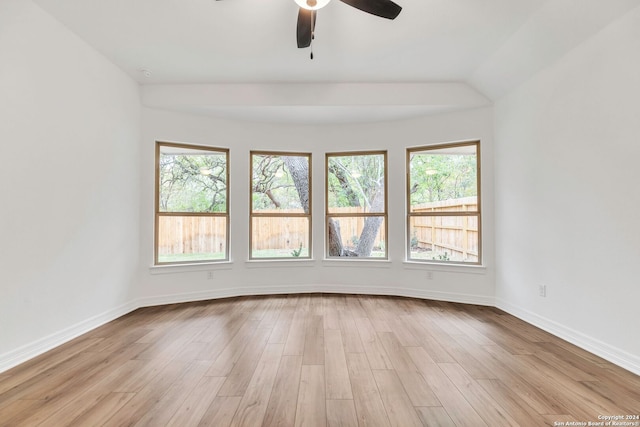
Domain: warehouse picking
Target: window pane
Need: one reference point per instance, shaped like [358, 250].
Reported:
[192, 180]
[280, 237]
[280, 183]
[191, 238]
[444, 238]
[359, 237]
[444, 179]
[356, 183]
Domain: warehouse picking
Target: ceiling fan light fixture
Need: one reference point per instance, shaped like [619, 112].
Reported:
[312, 4]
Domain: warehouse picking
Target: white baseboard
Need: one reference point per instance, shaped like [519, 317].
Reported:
[302, 289]
[29, 351]
[607, 352]
[614, 355]
[36, 348]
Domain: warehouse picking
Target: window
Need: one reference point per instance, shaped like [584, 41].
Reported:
[443, 195]
[356, 204]
[280, 223]
[192, 204]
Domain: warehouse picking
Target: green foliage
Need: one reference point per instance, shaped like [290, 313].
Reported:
[296, 252]
[193, 182]
[272, 183]
[442, 176]
[414, 240]
[355, 180]
[442, 257]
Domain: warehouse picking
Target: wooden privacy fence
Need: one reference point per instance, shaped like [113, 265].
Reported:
[191, 234]
[290, 232]
[457, 236]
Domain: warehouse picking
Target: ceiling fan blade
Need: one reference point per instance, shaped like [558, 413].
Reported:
[383, 8]
[306, 26]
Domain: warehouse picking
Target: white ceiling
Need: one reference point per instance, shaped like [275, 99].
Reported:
[491, 45]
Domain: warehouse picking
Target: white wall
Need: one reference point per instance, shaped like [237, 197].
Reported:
[465, 284]
[567, 200]
[69, 216]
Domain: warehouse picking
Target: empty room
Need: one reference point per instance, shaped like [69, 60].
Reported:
[319, 213]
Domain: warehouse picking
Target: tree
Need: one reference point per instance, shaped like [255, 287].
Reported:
[197, 183]
[438, 177]
[356, 181]
[280, 182]
[193, 183]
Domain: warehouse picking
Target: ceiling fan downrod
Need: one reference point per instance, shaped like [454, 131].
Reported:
[313, 33]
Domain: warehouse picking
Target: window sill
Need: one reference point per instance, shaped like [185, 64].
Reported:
[450, 268]
[186, 268]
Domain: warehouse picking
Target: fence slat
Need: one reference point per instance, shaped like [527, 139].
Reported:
[186, 234]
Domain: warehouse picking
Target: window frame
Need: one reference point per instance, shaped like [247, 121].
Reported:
[159, 214]
[253, 214]
[477, 213]
[384, 214]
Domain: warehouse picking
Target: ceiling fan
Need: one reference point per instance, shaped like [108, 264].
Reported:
[308, 9]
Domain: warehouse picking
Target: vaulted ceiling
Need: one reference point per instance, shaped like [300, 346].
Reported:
[488, 46]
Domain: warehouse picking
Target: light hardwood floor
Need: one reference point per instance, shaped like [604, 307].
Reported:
[316, 360]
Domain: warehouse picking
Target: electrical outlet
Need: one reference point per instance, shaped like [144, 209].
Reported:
[429, 275]
[542, 290]
[209, 275]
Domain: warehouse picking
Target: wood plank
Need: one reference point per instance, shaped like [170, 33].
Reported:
[225, 362]
[84, 379]
[310, 410]
[221, 412]
[272, 313]
[464, 350]
[482, 402]
[102, 410]
[281, 410]
[613, 397]
[580, 400]
[21, 374]
[313, 353]
[256, 398]
[515, 406]
[397, 404]
[378, 358]
[470, 366]
[238, 379]
[369, 407]
[144, 400]
[218, 337]
[434, 416]
[414, 384]
[436, 351]
[16, 411]
[404, 335]
[330, 315]
[450, 397]
[350, 334]
[164, 409]
[294, 345]
[341, 413]
[338, 385]
[518, 380]
[282, 325]
[197, 402]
